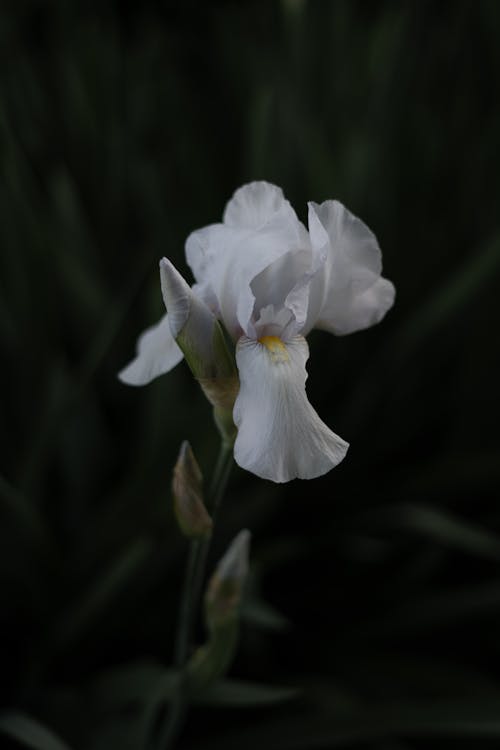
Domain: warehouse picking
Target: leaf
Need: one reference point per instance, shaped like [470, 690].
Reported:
[438, 524]
[135, 683]
[100, 593]
[147, 686]
[30, 732]
[464, 285]
[437, 609]
[261, 614]
[386, 720]
[406, 341]
[421, 676]
[25, 513]
[240, 693]
[258, 612]
[121, 733]
[451, 530]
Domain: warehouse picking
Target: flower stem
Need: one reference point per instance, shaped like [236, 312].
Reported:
[218, 486]
[193, 582]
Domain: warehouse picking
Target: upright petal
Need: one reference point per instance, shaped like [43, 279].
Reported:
[226, 259]
[283, 285]
[207, 252]
[157, 353]
[252, 205]
[288, 282]
[348, 235]
[349, 294]
[280, 436]
[205, 244]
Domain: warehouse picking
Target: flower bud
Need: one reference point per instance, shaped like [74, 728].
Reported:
[201, 339]
[191, 514]
[222, 604]
[225, 588]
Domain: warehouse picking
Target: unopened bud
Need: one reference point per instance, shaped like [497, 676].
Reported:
[190, 511]
[225, 588]
[222, 604]
[201, 339]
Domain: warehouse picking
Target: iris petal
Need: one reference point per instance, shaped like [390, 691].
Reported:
[349, 294]
[157, 353]
[280, 435]
[253, 204]
[226, 259]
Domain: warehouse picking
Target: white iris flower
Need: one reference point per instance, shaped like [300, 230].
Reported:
[270, 281]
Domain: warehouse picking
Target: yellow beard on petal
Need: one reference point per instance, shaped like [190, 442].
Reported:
[276, 348]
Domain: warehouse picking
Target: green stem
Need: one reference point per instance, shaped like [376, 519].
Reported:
[195, 575]
[216, 492]
[212, 660]
[181, 646]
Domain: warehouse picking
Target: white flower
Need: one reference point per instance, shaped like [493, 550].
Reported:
[270, 281]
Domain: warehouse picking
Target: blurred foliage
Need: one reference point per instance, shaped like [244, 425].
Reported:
[123, 127]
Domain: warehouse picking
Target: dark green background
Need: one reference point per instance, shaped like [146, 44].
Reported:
[125, 126]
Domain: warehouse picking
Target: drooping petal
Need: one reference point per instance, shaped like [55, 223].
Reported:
[280, 435]
[252, 205]
[348, 294]
[157, 353]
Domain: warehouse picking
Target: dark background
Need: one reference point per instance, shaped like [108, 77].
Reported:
[125, 126]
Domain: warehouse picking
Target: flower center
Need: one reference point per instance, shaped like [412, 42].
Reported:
[275, 347]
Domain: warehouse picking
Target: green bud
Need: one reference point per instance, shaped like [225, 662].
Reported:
[189, 509]
[225, 588]
[222, 606]
[202, 341]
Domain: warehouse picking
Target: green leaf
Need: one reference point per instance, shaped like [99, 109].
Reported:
[261, 614]
[239, 693]
[30, 732]
[25, 513]
[450, 530]
[437, 609]
[101, 592]
[387, 720]
[255, 610]
[146, 687]
[135, 683]
[457, 292]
